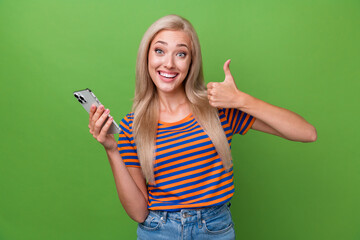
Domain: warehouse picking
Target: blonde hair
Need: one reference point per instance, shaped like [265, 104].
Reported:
[146, 101]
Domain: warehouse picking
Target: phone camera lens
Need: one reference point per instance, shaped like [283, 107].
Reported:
[82, 98]
[76, 95]
[80, 101]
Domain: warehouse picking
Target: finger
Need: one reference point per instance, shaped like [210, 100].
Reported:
[213, 85]
[212, 103]
[227, 69]
[209, 95]
[91, 114]
[100, 122]
[105, 128]
[210, 91]
[210, 85]
[96, 116]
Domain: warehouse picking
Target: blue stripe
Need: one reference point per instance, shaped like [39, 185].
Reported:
[188, 169]
[246, 125]
[121, 145]
[132, 164]
[180, 143]
[201, 195]
[234, 118]
[217, 175]
[124, 130]
[240, 121]
[130, 157]
[125, 138]
[168, 134]
[195, 189]
[167, 203]
[184, 156]
[177, 126]
[190, 128]
[122, 139]
[194, 147]
[189, 177]
[185, 163]
[177, 138]
[128, 151]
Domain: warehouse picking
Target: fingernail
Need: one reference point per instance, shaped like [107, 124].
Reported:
[107, 111]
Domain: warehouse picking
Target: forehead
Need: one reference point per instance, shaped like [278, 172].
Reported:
[172, 37]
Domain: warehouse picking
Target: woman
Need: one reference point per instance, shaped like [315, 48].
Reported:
[172, 164]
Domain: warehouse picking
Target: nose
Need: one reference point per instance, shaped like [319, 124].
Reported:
[169, 62]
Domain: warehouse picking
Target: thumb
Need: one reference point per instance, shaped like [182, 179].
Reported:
[227, 72]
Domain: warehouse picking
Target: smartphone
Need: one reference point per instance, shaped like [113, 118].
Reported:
[87, 98]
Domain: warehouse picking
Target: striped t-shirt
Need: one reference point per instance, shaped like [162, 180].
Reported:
[188, 171]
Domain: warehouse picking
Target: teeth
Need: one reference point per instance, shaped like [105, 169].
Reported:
[167, 75]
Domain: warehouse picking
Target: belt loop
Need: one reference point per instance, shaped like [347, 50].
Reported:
[164, 216]
[199, 218]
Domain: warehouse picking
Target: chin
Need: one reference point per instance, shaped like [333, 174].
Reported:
[168, 87]
[165, 90]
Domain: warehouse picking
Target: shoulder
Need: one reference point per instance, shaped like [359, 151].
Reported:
[128, 117]
[229, 112]
[126, 123]
[224, 113]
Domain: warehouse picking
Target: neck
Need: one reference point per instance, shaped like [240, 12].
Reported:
[174, 101]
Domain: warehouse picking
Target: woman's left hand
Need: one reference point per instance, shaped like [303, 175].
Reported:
[224, 94]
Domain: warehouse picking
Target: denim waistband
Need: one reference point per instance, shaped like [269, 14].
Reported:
[186, 216]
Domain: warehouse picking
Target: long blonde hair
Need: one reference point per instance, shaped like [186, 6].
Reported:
[146, 101]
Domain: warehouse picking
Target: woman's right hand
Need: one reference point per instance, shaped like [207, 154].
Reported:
[97, 118]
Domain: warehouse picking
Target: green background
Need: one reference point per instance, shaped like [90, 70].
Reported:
[55, 181]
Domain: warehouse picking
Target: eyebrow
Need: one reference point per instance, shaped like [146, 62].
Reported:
[178, 45]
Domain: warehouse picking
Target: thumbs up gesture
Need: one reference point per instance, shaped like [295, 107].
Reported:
[224, 94]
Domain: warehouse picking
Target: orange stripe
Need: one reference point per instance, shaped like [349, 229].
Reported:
[180, 140]
[191, 121]
[176, 135]
[237, 124]
[192, 179]
[190, 173]
[187, 166]
[210, 195]
[183, 153]
[184, 160]
[244, 123]
[193, 186]
[125, 126]
[194, 205]
[198, 192]
[186, 145]
[249, 126]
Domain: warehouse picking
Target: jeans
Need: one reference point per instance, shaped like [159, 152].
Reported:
[206, 223]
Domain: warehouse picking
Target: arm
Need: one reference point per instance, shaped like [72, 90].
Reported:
[130, 186]
[269, 118]
[130, 183]
[276, 120]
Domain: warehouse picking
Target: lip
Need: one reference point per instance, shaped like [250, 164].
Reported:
[165, 79]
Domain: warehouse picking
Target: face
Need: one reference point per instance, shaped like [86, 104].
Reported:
[169, 60]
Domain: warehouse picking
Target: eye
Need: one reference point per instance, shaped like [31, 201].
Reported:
[158, 51]
[182, 54]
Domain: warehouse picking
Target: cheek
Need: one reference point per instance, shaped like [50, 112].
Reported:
[153, 62]
[185, 66]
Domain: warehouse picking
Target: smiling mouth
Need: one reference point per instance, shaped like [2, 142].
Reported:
[167, 75]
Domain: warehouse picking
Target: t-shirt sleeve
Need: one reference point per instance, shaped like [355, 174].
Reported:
[238, 121]
[126, 144]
